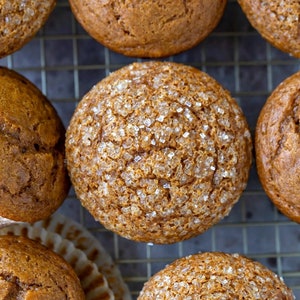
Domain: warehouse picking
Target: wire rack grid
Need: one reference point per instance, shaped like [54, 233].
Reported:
[64, 62]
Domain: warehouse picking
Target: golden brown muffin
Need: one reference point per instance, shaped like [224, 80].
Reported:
[30, 271]
[277, 146]
[33, 176]
[148, 28]
[215, 276]
[93, 282]
[158, 152]
[99, 275]
[19, 22]
[277, 21]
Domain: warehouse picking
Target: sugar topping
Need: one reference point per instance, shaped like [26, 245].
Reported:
[158, 152]
[20, 20]
[15, 13]
[215, 276]
[277, 21]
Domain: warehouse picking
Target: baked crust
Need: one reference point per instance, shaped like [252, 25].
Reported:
[158, 152]
[215, 276]
[277, 21]
[277, 145]
[29, 270]
[33, 175]
[148, 28]
[20, 21]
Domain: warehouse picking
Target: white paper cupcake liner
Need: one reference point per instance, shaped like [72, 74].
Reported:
[93, 282]
[7, 222]
[85, 241]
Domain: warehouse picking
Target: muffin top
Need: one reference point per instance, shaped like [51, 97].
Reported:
[148, 28]
[30, 271]
[277, 21]
[158, 151]
[93, 283]
[215, 276]
[20, 20]
[33, 177]
[278, 147]
[99, 275]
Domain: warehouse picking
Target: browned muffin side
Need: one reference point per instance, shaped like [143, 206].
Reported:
[33, 176]
[148, 28]
[158, 152]
[29, 270]
[20, 21]
[277, 147]
[277, 21]
[215, 276]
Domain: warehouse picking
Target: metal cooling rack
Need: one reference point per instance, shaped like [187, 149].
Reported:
[64, 62]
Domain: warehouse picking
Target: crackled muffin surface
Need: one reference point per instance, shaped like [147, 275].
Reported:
[277, 21]
[277, 146]
[215, 276]
[158, 152]
[148, 28]
[20, 20]
[33, 175]
[30, 271]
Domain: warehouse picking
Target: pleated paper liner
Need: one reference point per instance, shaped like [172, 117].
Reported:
[7, 222]
[86, 242]
[93, 282]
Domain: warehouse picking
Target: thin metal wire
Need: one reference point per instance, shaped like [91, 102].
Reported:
[148, 260]
[75, 60]
[43, 65]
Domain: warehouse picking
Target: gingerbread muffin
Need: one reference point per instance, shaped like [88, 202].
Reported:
[29, 270]
[277, 146]
[20, 21]
[158, 152]
[148, 28]
[277, 21]
[215, 275]
[93, 283]
[33, 175]
[99, 275]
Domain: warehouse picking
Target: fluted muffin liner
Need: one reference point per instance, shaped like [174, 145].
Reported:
[7, 222]
[83, 241]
